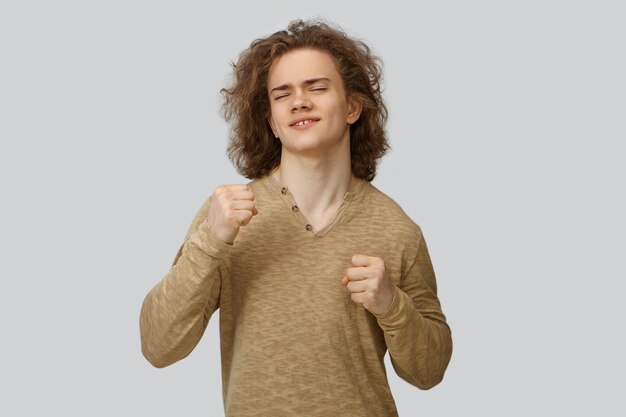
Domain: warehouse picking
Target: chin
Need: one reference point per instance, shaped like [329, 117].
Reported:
[301, 145]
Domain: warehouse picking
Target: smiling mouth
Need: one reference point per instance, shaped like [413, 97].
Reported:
[304, 122]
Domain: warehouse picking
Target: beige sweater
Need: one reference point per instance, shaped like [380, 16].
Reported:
[293, 343]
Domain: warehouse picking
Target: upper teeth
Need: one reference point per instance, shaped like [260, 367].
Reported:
[304, 122]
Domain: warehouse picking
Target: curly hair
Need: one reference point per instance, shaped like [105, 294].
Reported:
[252, 147]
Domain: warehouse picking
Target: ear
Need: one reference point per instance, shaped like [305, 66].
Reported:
[271, 123]
[354, 108]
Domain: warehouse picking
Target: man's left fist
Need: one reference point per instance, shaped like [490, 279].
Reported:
[368, 283]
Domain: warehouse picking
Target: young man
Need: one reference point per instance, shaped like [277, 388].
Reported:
[315, 271]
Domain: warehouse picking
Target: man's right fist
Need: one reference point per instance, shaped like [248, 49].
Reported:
[232, 206]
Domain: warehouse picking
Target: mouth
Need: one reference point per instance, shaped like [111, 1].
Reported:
[304, 123]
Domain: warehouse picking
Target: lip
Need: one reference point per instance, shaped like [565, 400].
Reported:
[313, 122]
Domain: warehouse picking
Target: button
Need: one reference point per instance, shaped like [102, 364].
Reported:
[295, 208]
[309, 227]
[284, 190]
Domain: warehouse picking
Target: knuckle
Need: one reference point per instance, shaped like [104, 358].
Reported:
[222, 197]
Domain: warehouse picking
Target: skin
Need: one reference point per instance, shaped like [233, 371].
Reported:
[315, 160]
[369, 284]
[304, 84]
[232, 207]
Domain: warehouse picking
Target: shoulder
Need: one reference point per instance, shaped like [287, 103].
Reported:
[400, 236]
[386, 212]
[263, 187]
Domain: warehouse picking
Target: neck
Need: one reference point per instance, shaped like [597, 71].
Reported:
[317, 183]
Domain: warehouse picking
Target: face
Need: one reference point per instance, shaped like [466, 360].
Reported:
[310, 111]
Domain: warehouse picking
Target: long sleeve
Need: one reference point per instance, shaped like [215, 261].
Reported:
[416, 333]
[176, 311]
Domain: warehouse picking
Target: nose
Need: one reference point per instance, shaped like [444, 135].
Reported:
[300, 101]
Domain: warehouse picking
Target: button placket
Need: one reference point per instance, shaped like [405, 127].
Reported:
[295, 209]
[301, 220]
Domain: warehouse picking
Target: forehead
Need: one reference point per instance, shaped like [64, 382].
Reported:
[299, 65]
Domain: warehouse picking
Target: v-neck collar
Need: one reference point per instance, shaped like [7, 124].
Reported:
[282, 192]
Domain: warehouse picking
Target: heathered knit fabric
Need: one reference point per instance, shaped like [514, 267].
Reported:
[293, 343]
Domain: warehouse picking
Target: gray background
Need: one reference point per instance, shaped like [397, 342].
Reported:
[505, 119]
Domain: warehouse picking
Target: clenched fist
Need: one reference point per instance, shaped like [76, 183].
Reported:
[232, 206]
[368, 283]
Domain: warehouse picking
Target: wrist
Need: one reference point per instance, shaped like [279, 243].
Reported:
[386, 306]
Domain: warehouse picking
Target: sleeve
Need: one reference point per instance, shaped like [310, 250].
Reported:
[176, 311]
[415, 329]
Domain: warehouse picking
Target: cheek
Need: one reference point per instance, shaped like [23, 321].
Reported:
[272, 119]
[274, 126]
[339, 115]
[275, 114]
[339, 109]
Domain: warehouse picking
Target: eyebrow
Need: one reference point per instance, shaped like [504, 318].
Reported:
[306, 82]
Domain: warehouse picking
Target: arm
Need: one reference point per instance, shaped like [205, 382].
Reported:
[415, 329]
[176, 311]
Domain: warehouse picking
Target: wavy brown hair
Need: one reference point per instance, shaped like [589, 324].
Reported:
[252, 148]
